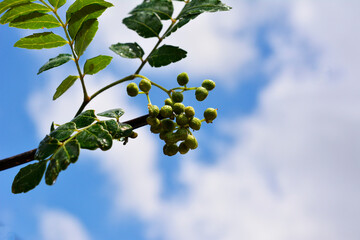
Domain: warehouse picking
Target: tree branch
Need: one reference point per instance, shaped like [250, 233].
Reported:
[28, 156]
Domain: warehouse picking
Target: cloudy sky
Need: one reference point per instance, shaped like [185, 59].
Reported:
[281, 162]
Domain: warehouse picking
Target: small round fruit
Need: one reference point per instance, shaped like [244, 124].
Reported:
[182, 119]
[191, 142]
[153, 121]
[208, 84]
[132, 89]
[201, 93]
[177, 97]
[156, 129]
[195, 123]
[210, 114]
[190, 112]
[154, 110]
[133, 134]
[183, 149]
[166, 111]
[170, 138]
[178, 108]
[182, 133]
[163, 134]
[183, 79]
[168, 125]
[169, 102]
[145, 85]
[170, 150]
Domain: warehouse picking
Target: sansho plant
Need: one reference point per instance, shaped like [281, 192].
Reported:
[174, 122]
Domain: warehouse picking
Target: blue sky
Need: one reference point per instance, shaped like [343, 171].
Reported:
[280, 162]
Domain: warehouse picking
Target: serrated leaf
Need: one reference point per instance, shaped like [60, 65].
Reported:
[46, 148]
[22, 9]
[200, 6]
[28, 177]
[112, 113]
[57, 3]
[84, 119]
[64, 86]
[55, 62]
[96, 64]
[95, 137]
[165, 55]
[128, 50]
[85, 35]
[64, 131]
[35, 20]
[147, 25]
[79, 4]
[163, 8]
[78, 18]
[7, 4]
[40, 41]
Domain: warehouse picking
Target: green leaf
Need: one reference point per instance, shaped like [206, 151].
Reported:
[64, 86]
[95, 137]
[35, 20]
[47, 147]
[163, 8]
[147, 25]
[128, 50]
[111, 126]
[96, 64]
[84, 119]
[113, 113]
[22, 9]
[79, 4]
[6, 4]
[165, 55]
[64, 131]
[200, 6]
[78, 18]
[85, 36]
[55, 62]
[28, 177]
[52, 172]
[182, 22]
[57, 3]
[40, 41]
[125, 130]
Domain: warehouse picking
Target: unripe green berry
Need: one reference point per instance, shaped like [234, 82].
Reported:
[183, 149]
[191, 142]
[177, 97]
[132, 89]
[153, 121]
[153, 110]
[208, 84]
[156, 129]
[178, 108]
[166, 111]
[183, 79]
[201, 93]
[167, 124]
[195, 123]
[210, 114]
[169, 102]
[133, 135]
[181, 119]
[190, 112]
[163, 134]
[170, 150]
[171, 138]
[145, 85]
[182, 133]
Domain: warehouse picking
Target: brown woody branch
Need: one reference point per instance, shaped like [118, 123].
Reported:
[28, 156]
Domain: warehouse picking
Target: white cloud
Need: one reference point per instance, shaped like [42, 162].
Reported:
[60, 225]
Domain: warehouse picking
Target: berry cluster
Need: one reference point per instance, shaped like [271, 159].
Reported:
[174, 120]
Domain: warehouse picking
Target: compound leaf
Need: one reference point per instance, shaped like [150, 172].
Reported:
[165, 55]
[64, 86]
[40, 41]
[147, 25]
[163, 8]
[28, 177]
[35, 20]
[57, 3]
[55, 62]
[96, 64]
[47, 147]
[6, 4]
[22, 9]
[95, 137]
[85, 35]
[84, 119]
[128, 50]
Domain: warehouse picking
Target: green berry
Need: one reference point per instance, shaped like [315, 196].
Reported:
[201, 93]
[156, 129]
[163, 134]
[191, 142]
[177, 97]
[133, 135]
[208, 84]
[210, 114]
[183, 79]
[182, 119]
[166, 111]
[183, 149]
[171, 149]
[153, 121]
[145, 85]
[169, 102]
[170, 138]
[195, 123]
[190, 112]
[168, 125]
[178, 108]
[132, 89]
[182, 133]
[154, 110]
